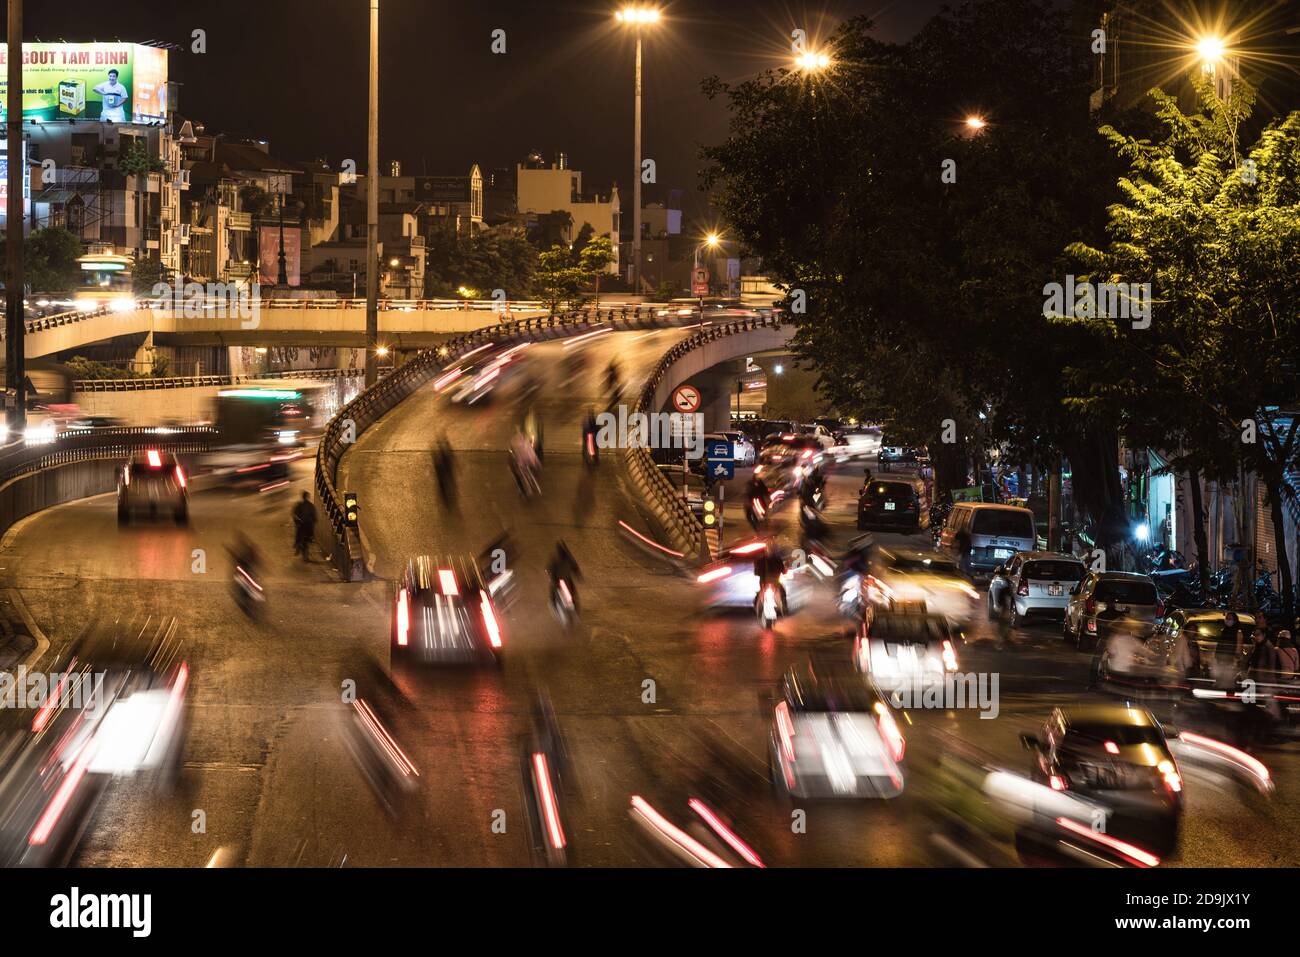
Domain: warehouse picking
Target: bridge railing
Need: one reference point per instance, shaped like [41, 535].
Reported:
[658, 492]
[354, 418]
[199, 381]
[82, 445]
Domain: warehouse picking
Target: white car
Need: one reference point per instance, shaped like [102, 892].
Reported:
[834, 736]
[904, 653]
[855, 443]
[905, 579]
[1034, 584]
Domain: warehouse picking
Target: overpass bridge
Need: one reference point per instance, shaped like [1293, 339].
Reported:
[403, 324]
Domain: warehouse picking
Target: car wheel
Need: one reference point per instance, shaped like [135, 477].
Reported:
[182, 516]
[123, 516]
[1066, 636]
[1016, 620]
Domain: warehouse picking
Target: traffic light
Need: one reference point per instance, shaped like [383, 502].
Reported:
[711, 512]
[350, 509]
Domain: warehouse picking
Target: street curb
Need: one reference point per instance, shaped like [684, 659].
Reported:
[33, 629]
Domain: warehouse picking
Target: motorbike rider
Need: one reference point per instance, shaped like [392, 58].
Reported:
[525, 457]
[589, 430]
[813, 488]
[564, 567]
[613, 378]
[756, 491]
[769, 566]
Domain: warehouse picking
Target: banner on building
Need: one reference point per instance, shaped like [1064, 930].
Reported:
[111, 82]
[268, 240]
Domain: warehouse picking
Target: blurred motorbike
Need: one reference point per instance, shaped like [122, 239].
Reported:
[768, 606]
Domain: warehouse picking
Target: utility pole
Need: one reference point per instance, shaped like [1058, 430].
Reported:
[372, 207]
[636, 177]
[1054, 505]
[15, 364]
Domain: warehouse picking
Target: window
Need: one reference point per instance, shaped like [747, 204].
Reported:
[1003, 523]
[1127, 592]
[1054, 571]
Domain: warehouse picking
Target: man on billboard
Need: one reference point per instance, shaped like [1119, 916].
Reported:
[114, 95]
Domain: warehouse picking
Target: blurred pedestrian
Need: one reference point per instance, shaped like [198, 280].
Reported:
[304, 525]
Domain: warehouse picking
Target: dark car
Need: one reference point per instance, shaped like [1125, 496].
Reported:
[152, 483]
[893, 503]
[443, 613]
[1117, 755]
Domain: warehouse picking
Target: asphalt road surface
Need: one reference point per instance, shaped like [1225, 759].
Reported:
[654, 696]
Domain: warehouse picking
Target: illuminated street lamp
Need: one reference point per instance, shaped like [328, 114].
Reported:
[975, 123]
[811, 62]
[1210, 49]
[636, 18]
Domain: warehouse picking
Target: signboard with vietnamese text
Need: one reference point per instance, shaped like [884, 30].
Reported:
[111, 82]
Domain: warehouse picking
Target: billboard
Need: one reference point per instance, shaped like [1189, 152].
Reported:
[112, 82]
[269, 245]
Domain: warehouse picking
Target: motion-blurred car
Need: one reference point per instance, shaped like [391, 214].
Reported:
[900, 503]
[1201, 625]
[1118, 755]
[905, 652]
[834, 735]
[443, 613]
[152, 483]
[1103, 599]
[730, 581]
[855, 442]
[898, 454]
[908, 579]
[1034, 584]
[109, 715]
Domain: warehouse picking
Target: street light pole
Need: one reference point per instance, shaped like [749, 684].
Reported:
[636, 173]
[372, 206]
[15, 357]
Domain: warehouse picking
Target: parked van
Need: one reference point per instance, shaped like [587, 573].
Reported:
[980, 536]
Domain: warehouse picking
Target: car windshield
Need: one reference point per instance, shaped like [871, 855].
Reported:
[890, 491]
[1004, 523]
[145, 472]
[835, 695]
[1054, 571]
[1126, 592]
[1121, 734]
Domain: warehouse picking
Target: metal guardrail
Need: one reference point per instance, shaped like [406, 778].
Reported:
[83, 445]
[359, 414]
[199, 381]
[662, 495]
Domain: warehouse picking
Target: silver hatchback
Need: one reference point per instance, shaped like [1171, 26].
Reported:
[1034, 584]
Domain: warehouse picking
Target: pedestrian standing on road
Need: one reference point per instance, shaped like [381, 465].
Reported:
[304, 525]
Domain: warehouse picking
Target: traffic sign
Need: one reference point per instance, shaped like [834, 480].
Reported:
[717, 450]
[722, 469]
[686, 398]
[700, 281]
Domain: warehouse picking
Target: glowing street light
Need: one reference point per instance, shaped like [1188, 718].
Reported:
[812, 62]
[637, 15]
[976, 123]
[1211, 49]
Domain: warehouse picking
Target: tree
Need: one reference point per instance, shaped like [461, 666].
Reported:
[146, 273]
[1218, 238]
[136, 161]
[497, 258]
[584, 236]
[924, 293]
[559, 279]
[596, 256]
[50, 260]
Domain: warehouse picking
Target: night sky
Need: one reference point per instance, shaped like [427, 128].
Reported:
[294, 72]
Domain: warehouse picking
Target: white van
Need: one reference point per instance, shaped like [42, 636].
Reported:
[980, 536]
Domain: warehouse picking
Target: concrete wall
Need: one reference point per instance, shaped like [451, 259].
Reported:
[31, 493]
